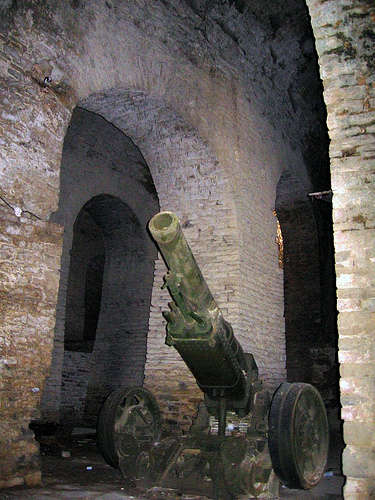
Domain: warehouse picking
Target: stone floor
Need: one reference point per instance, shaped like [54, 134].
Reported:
[78, 472]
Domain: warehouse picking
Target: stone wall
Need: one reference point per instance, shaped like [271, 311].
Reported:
[30, 259]
[179, 98]
[345, 36]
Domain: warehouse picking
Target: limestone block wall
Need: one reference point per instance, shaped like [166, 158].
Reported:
[345, 37]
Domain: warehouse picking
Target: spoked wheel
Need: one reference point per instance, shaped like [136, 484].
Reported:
[298, 436]
[129, 420]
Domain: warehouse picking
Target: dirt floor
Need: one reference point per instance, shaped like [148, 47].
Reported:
[76, 470]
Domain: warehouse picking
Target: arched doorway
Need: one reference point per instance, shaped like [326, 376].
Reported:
[107, 197]
[106, 316]
[85, 283]
[309, 293]
[310, 299]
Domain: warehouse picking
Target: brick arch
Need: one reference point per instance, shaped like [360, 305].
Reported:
[104, 176]
[174, 152]
[170, 162]
[119, 351]
[190, 181]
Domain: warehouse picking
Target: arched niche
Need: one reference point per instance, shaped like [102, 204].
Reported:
[107, 196]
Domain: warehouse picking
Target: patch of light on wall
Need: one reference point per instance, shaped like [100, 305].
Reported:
[279, 241]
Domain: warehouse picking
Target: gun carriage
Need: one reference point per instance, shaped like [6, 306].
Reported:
[259, 441]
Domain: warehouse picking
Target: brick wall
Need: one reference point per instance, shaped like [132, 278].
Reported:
[98, 158]
[344, 34]
[74, 381]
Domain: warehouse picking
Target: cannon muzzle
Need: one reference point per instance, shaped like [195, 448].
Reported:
[166, 231]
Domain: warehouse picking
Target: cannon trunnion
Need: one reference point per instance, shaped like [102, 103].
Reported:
[244, 442]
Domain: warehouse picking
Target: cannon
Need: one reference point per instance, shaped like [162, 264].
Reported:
[244, 442]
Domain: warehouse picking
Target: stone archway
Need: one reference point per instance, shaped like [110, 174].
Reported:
[116, 357]
[107, 196]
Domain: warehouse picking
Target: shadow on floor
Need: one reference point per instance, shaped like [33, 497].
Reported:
[76, 470]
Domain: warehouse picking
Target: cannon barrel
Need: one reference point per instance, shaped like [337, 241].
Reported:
[166, 231]
[195, 325]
